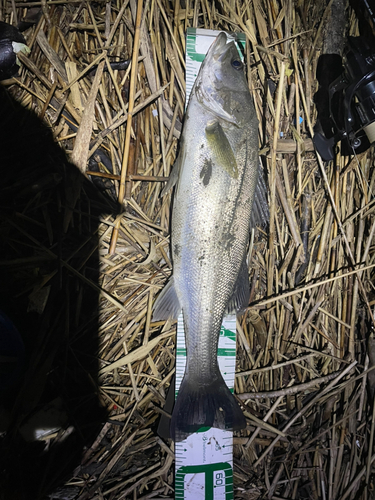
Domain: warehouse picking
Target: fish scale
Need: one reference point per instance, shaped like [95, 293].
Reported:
[216, 178]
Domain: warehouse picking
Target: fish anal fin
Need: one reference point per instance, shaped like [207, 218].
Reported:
[167, 304]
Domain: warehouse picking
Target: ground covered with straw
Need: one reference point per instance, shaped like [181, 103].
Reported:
[82, 261]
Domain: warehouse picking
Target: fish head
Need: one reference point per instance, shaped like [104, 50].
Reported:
[221, 83]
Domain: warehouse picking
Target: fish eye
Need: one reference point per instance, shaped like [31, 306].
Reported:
[236, 64]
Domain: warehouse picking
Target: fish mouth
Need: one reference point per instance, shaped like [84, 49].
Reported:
[220, 46]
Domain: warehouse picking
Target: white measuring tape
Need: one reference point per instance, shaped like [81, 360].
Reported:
[204, 461]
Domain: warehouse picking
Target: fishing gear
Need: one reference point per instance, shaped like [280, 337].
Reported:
[11, 42]
[351, 103]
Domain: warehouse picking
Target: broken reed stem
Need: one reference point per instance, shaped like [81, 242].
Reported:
[133, 177]
[295, 389]
[82, 143]
[370, 446]
[310, 286]
[96, 61]
[273, 181]
[304, 409]
[265, 419]
[125, 158]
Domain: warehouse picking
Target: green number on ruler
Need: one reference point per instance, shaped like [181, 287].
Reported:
[223, 477]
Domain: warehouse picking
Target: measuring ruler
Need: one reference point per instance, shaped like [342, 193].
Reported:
[204, 461]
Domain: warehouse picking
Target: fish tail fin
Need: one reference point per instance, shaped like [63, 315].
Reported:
[198, 406]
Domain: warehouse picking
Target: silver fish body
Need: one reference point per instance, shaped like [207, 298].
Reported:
[211, 219]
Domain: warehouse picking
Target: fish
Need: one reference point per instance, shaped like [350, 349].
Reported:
[216, 179]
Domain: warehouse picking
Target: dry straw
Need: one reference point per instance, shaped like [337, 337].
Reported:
[305, 350]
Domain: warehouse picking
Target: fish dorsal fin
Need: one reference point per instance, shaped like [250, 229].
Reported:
[167, 305]
[260, 213]
[222, 150]
[241, 292]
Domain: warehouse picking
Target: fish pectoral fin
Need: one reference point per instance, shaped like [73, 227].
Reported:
[241, 292]
[222, 150]
[167, 305]
[205, 405]
[260, 214]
